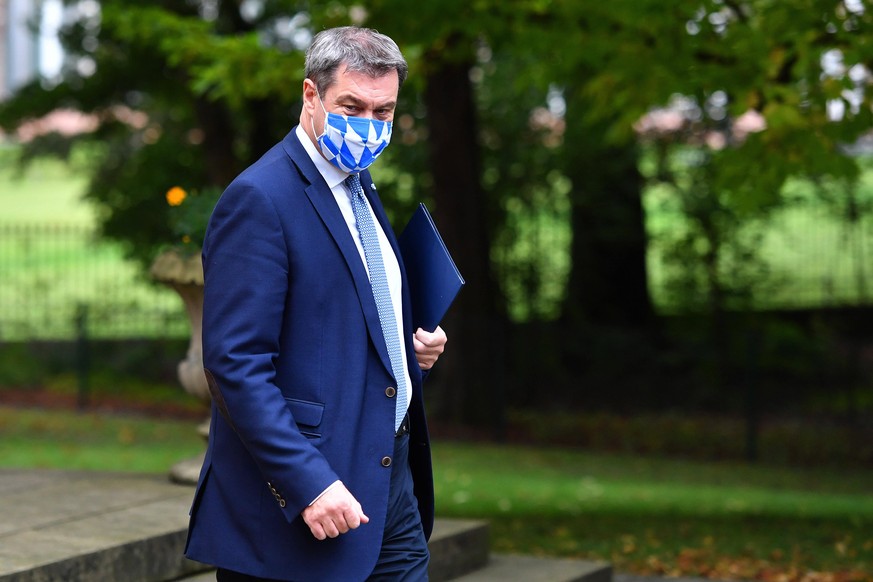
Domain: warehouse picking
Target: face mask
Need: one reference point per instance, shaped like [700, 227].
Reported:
[352, 143]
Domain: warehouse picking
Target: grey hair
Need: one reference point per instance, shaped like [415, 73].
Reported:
[362, 50]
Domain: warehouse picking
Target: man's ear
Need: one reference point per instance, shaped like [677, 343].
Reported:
[310, 95]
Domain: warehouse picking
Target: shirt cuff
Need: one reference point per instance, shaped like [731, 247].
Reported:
[329, 487]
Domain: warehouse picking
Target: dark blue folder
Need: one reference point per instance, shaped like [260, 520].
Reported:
[434, 280]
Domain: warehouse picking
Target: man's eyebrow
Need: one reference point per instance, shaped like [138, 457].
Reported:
[349, 98]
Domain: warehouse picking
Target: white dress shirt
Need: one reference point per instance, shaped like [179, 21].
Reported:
[335, 179]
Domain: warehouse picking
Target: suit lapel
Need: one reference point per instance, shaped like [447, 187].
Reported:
[379, 210]
[325, 205]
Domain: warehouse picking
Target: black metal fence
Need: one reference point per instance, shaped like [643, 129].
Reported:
[58, 281]
[62, 282]
[809, 257]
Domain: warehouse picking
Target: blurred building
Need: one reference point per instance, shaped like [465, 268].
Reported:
[28, 41]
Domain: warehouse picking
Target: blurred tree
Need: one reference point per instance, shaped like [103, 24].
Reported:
[751, 93]
[186, 93]
[442, 39]
[520, 123]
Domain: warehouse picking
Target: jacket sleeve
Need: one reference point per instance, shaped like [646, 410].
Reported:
[246, 272]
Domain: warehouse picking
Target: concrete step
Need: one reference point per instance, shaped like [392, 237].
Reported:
[509, 568]
[459, 551]
[506, 568]
[457, 547]
[77, 526]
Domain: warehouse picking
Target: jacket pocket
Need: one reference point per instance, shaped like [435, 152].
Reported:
[307, 415]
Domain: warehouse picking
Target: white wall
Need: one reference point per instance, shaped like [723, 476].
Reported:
[24, 52]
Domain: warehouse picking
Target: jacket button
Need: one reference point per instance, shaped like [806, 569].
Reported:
[390, 392]
[386, 461]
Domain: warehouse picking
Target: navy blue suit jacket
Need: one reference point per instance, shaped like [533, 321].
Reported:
[299, 371]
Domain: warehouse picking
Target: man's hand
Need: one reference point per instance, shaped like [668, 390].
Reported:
[429, 346]
[334, 513]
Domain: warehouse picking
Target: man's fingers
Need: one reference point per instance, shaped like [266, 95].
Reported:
[431, 339]
[428, 346]
[334, 514]
[355, 517]
[331, 529]
[317, 531]
[352, 519]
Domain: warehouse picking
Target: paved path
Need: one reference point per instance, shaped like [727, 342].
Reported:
[69, 526]
[76, 525]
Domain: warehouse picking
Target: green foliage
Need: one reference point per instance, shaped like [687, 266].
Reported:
[19, 368]
[189, 216]
[714, 437]
[53, 263]
[768, 251]
[530, 202]
[141, 373]
[710, 251]
[179, 99]
[185, 96]
[724, 60]
[234, 69]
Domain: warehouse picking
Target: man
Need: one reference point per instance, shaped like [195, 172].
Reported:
[318, 464]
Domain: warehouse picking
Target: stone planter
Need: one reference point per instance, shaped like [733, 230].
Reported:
[183, 273]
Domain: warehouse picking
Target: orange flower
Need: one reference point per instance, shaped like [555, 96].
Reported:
[175, 196]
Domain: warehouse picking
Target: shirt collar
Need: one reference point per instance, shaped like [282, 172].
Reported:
[331, 174]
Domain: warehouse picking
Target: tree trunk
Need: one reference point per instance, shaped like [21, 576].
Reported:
[607, 316]
[608, 283]
[469, 387]
[222, 165]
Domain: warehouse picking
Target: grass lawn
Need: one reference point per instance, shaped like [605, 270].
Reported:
[642, 514]
[663, 516]
[31, 438]
[49, 191]
[52, 263]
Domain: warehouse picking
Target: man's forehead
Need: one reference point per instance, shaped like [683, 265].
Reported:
[363, 89]
[350, 80]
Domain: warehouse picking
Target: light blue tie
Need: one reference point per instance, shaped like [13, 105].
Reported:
[379, 283]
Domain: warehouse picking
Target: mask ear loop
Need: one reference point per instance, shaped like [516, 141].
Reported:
[312, 118]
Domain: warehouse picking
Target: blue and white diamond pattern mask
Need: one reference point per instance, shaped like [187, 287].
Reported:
[352, 143]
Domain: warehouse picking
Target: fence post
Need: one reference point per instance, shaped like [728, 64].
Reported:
[753, 415]
[82, 355]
